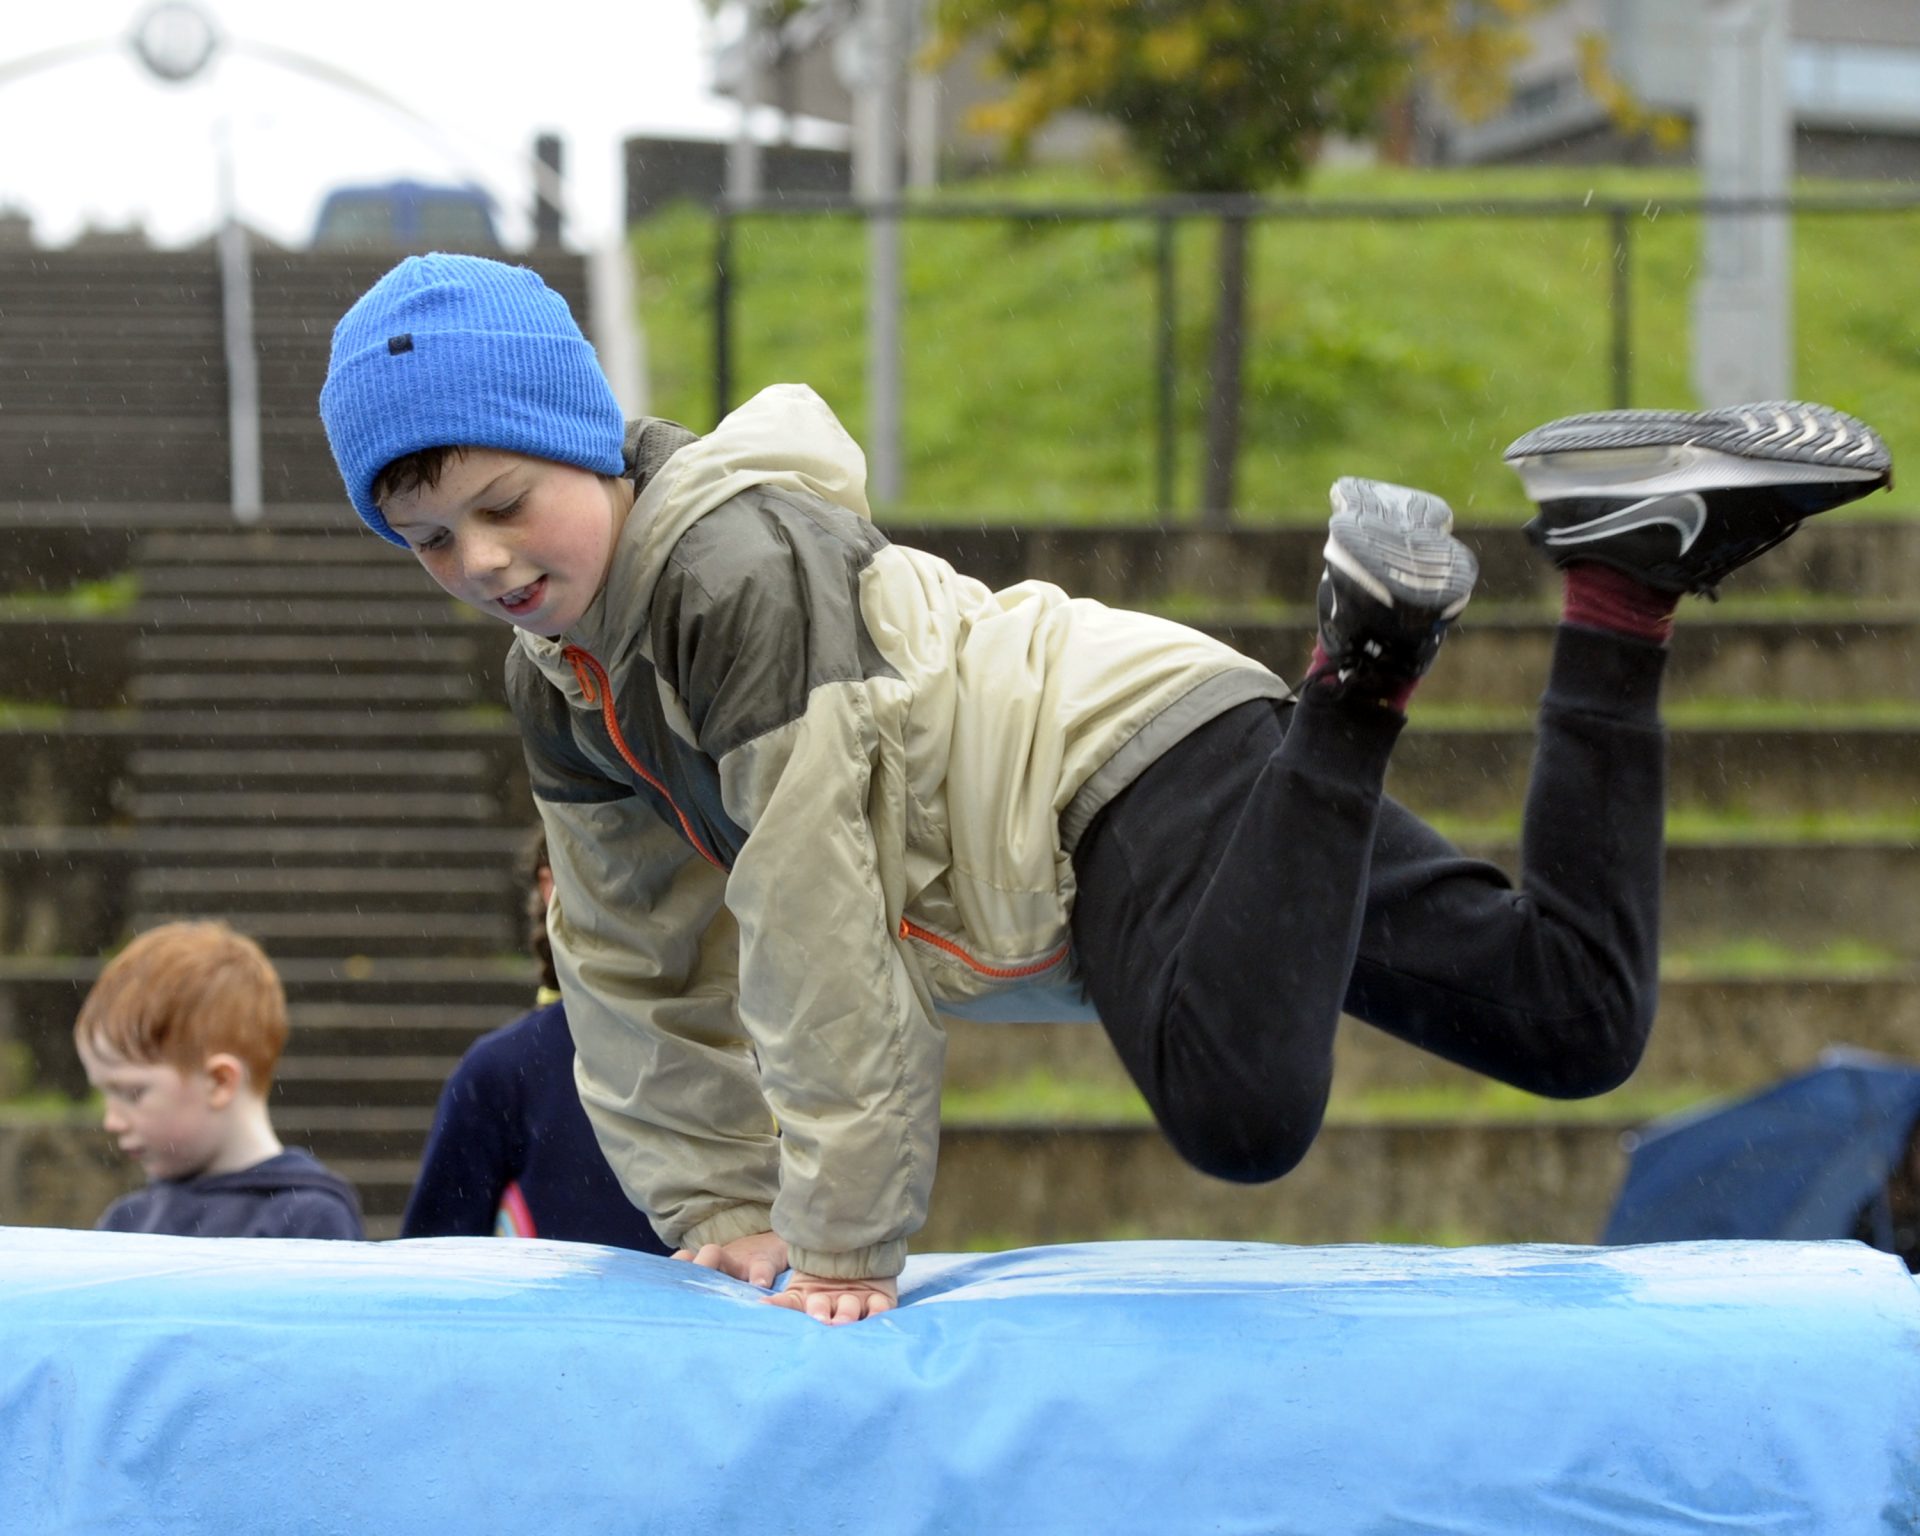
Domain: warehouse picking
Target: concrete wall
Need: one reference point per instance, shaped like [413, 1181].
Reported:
[661, 171]
[58, 1170]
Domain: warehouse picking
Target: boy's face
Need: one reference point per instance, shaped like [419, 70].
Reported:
[166, 1120]
[521, 539]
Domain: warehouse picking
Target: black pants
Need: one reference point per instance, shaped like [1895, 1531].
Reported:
[1256, 880]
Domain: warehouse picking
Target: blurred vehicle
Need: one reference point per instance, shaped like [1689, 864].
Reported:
[1829, 1153]
[407, 215]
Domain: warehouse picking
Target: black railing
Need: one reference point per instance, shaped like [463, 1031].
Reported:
[1620, 216]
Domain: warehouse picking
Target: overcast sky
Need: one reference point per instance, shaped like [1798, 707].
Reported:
[101, 141]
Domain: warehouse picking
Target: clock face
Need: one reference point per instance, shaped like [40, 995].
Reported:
[175, 39]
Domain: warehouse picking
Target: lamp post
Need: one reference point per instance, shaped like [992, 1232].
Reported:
[1742, 307]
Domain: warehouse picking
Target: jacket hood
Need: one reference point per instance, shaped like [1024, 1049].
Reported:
[291, 1169]
[785, 437]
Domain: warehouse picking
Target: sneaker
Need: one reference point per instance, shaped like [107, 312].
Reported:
[1679, 499]
[1395, 579]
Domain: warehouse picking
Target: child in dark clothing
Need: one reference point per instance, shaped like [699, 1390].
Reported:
[180, 1035]
[511, 1151]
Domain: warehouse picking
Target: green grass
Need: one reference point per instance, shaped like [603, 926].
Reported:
[1697, 826]
[1044, 1097]
[1726, 713]
[1838, 960]
[1189, 607]
[1494, 1103]
[106, 598]
[1405, 349]
[46, 1105]
[25, 714]
[1041, 1097]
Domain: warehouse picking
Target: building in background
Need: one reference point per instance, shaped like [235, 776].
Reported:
[1853, 82]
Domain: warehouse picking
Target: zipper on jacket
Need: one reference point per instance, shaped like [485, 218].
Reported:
[997, 972]
[595, 688]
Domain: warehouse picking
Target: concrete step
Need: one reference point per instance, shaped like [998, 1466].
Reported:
[1835, 555]
[370, 809]
[1126, 562]
[330, 689]
[347, 543]
[1394, 1182]
[180, 459]
[1789, 771]
[309, 769]
[452, 653]
[308, 888]
[66, 890]
[372, 1031]
[396, 617]
[62, 890]
[349, 932]
[1002, 1187]
[1501, 661]
[377, 1082]
[398, 577]
[402, 846]
[1714, 1033]
[63, 771]
[83, 394]
[1496, 671]
[1018, 1185]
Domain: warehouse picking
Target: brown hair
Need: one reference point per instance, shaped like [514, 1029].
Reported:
[532, 861]
[410, 471]
[183, 992]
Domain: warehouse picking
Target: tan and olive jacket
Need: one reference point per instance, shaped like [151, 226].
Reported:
[805, 791]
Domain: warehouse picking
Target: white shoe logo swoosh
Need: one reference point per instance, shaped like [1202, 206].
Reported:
[1686, 514]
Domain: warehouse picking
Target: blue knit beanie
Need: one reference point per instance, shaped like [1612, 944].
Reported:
[463, 352]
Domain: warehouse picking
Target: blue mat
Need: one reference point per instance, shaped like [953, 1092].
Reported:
[174, 1384]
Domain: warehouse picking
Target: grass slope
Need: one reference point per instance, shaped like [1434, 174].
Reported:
[1409, 349]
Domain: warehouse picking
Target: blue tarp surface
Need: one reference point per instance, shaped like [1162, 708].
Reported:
[469, 1385]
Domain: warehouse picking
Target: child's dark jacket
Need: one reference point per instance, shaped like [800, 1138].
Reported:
[510, 1119]
[291, 1194]
[805, 790]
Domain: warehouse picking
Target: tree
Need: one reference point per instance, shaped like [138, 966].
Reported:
[1229, 97]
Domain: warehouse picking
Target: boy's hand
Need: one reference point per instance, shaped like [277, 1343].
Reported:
[837, 1301]
[757, 1258]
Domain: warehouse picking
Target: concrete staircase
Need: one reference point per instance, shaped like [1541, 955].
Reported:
[308, 734]
[311, 696]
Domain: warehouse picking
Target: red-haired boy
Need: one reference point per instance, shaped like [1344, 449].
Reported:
[180, 1035]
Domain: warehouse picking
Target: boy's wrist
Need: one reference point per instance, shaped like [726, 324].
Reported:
[725, 1225]
[877, 1261]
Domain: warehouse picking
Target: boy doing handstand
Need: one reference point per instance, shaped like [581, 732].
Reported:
[807, 791]
[180, 1034]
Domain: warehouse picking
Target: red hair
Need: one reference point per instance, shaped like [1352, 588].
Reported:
[183, 992]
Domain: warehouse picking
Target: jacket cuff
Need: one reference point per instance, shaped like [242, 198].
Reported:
[881, 1261]
[724, 1226]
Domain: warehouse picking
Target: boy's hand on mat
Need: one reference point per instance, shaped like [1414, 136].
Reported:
[758, 1258]
[836, 1301]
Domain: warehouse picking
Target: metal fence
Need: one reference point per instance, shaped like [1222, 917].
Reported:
[1618, 217]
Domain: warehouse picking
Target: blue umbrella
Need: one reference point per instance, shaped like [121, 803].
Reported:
[1801, 1159]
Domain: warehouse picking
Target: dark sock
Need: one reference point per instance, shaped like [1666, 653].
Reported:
[1599, 597]
[1394, 697]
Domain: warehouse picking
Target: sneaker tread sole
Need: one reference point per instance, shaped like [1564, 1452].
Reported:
[1785, 431]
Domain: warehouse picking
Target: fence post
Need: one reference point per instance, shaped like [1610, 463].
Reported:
[1164, 449]
[1622, 228]
[722, 313]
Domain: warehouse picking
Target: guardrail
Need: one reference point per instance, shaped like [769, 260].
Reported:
[1619, 216]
